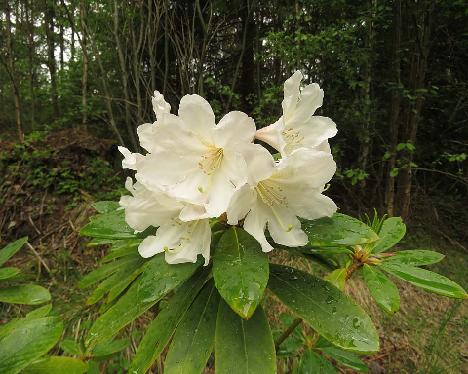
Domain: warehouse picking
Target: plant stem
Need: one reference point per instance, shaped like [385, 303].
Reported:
[287, 332]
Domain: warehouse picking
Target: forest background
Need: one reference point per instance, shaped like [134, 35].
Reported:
[76, 79]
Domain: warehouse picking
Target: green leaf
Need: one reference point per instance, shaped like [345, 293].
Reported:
[327, 309]
[106, 206]
[29, 294]
[240, 271]
[71, 347]
[159, 277]
[43, 311]
[28, 340]
[7, 252]
[110, 225]
[243, 346]
[163, 326]
[57, 365]
[345, 358]
[414, 257]
[425, 279]
[337, 230]
[313, 363]
[111, 347]
[382, 289]
[6, 273]
[122, 249]
[392, 231]
[338, 278]
[193, 341]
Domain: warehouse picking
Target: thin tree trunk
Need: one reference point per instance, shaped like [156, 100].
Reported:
[395, 109]
[51, 63]
[31, 66]
[84, 48]
[10, 61]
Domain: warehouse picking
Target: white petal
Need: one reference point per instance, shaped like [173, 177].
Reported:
[235, 127]
[313, 205]
[195, 239]
[260, 163]
[241, 203]
[311, 99]
[291, 93]
[323, 147]
[130, 160]
[150, 246]
[313, 132]
[304, 169]
[285, 228]
[160, 105]
[146, 136]
[198, 116]
[192, 212]
[273, 135]
[147, 208]
[255, 223]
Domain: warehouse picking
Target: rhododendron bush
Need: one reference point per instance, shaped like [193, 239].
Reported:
[207, 203]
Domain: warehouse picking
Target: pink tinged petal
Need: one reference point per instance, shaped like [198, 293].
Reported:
[255, 223]
[160, 105]
[198, 117]
[240, 204]
[234, 128]
[273, 135]
[285, 228]
[260, 163]
[130, 160]
[291, 93]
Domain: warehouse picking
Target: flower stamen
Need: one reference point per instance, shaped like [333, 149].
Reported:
[211, 160]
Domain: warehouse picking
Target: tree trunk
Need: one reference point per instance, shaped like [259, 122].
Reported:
[51, 63]
[84, 48]
[29, 10]
[394, 109]
[10, 62]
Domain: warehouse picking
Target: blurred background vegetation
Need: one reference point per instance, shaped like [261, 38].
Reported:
[76, 77]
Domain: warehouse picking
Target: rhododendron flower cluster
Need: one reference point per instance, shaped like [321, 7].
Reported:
[196, 171]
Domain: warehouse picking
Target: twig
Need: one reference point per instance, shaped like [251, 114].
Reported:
[41, 260]
[33, 225]
[287, 332]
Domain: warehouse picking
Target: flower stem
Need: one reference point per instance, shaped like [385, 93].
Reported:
[287, 332]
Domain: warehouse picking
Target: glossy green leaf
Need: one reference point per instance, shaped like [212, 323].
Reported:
[9, 250]
[327, 309]
[313, 363]
[163, 326]
[43, 311]
[383, 290]
[105, 270]
[347, 359]
[106, 206]
[110, 225]
[392, 231]
[193, 341]
[240, 270]
[123, 249]
[7, 273]
[69, 346]
[29, 294]
[28, 340]
[425, 279]
[243, 346]
[159, 277]
[111, 347]
[338, 278]
[415, 257]
[338, 230]
[57, 365]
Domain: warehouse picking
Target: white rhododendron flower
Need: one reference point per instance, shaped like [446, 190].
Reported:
[298, 127]
[280, 193]
[194, 160]
[197, 172]
[181, 241]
